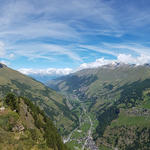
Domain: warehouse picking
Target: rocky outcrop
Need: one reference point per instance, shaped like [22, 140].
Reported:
[2, 65]
[138, 112]
[18, 127]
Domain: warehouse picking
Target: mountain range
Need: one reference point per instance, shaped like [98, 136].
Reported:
[98, 108]
[117, 97]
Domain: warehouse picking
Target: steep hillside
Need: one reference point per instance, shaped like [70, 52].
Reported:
[24, 126]
[47, 99]
[104, 84]
[109, 94]
[131, 129]
[96, 77]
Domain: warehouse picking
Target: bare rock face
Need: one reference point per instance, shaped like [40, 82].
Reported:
[2, 109]
[138, 112]
[18, 127]
[2, 65]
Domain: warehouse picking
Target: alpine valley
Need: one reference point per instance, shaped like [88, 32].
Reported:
[104, 108]
[112, 103]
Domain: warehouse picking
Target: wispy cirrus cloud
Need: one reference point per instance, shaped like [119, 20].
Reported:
[2, 49]
[45, 51]
[138, 49]
[3, 53]
[54, 31]
[99, 49]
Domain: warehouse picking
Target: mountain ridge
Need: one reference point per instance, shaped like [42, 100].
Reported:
[51, 102]
[108, 94]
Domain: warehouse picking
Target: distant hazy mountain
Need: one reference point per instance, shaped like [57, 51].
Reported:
[44, 78]
[119, 96]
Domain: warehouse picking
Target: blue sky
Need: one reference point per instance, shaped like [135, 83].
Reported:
[59, 36]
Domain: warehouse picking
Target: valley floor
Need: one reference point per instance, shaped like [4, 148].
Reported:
[81, 137]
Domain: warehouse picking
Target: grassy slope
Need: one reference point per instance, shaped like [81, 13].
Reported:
[48, 100]
[130, 131]
[101, 85]
[34, 132]
[107, 90]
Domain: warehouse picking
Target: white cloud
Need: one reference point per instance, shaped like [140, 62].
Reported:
[45, 51]
[48, 71]
[99, 49]
[128, 59]
[62, 50]
[98, 63]
[133, 47]
[4, 62]
[121, 58]
[56, 20]
[4, 54]
[79, 21]
[2, 49]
